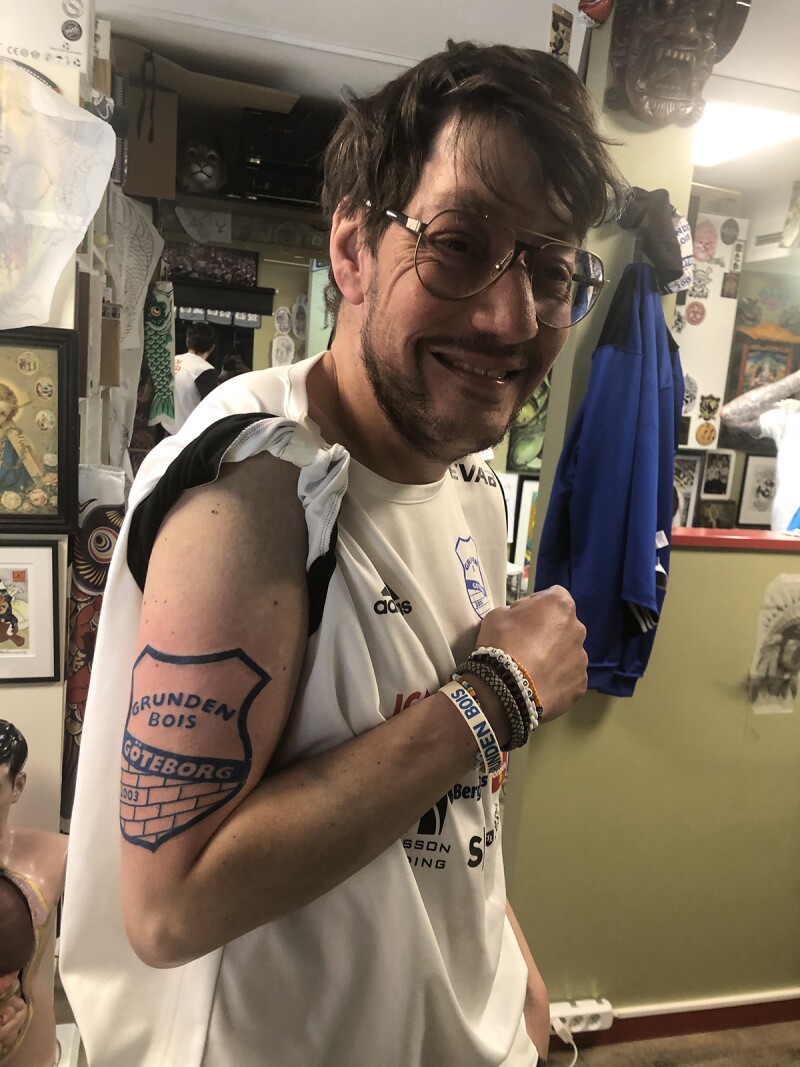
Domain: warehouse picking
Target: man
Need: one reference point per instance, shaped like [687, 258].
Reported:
[773, 410]
[307, 850]
[195, 374]
[32, 866]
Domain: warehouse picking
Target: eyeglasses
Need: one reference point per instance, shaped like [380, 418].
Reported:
[459, 254]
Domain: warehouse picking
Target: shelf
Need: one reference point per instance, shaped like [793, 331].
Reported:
[738, 539]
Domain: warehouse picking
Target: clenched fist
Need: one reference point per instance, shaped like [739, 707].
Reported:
[542, 632]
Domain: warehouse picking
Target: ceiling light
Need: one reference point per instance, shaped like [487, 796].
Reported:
[728, 131]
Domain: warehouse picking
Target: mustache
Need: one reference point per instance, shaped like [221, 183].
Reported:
[482, 344]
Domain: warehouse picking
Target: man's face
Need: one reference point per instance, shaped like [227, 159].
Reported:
[450, 375]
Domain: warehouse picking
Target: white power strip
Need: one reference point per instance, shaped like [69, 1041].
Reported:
[582, 1016]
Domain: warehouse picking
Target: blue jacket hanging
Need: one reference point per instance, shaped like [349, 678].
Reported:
[607, 530]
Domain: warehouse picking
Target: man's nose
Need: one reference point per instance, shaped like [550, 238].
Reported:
[507, 309]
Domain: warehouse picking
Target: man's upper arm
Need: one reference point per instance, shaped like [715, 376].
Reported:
[221, 642]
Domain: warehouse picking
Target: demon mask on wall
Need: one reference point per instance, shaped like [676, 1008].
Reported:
[663, 52]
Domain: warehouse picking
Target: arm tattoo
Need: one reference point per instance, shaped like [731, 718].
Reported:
[175, 782]
[743, 412]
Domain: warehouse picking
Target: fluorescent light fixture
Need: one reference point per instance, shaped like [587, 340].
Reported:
[729, 131]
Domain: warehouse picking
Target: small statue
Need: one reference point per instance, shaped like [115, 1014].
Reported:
[662, 55]
[32, 866]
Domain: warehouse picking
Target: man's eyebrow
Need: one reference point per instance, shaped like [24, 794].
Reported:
[479, 205]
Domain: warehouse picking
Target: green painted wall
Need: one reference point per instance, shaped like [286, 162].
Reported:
[652, 844]
[659, 855]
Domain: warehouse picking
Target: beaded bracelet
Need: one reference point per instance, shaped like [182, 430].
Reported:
[523, 679]
[490, 756]
[524, 714]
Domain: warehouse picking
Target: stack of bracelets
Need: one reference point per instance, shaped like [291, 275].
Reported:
[516, 692]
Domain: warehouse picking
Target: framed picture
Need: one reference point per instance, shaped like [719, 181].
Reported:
[762, 363]
[715, 514]
[509, 483]
[527, 492]
[685, 485]
[758, 492]
[718, 474]
[29, 625]
[210, 263]
[38, 430]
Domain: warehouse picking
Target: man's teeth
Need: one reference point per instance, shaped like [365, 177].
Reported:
[477, 370]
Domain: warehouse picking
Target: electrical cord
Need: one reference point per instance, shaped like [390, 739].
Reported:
[563, 1031]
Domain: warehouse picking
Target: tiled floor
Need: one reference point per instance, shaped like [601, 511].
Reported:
[755, 1046]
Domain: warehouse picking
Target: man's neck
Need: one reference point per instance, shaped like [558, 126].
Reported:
[342, 404]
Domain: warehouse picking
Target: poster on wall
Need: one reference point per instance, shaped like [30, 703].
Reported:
[29, 631]
[760, 354]
[758, 492]
[773, 676]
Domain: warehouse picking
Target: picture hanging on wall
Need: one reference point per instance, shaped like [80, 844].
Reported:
[209, 263]
[757, 358]
[527, 494]
[715, 514]
[718, 474]
[29, 612]
[526, 438]
[758, 492]
[38, 430]
[685, 486]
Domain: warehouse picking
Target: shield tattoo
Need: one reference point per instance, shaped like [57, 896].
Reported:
[169, 778]
[467, 552]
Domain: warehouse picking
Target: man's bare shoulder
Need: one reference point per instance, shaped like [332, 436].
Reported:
[253, 502]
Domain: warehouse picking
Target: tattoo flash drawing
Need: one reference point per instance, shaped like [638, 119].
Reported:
[174, 775]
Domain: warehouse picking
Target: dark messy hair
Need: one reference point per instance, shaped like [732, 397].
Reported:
[200, 337]
[381, 145]
[13, 749]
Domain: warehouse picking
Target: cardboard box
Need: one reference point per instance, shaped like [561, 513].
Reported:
[152, 143]
[203, 91]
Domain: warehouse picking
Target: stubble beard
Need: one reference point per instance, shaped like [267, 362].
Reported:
[405, 402]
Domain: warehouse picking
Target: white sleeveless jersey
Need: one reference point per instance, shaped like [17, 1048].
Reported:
[411, 962]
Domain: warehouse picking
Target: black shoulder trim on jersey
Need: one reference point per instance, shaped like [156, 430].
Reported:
[198, 464]
[319, 576]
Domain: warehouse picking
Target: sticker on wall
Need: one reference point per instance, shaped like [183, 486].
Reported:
[300, 317]
[689, 394]
[729, 231]
[730, 285]
[560, 33]
[283, 320]
[695, 313]
[709, 406]
[705, 434]
[772, 679]
[282, 351]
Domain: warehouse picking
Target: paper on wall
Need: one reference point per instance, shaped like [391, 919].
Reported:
[55, 162]
[773, 678]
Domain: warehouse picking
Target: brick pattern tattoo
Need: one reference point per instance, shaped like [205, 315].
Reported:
[173, 782]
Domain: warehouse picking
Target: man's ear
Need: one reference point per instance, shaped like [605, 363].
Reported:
[347, 256]
[19, 785]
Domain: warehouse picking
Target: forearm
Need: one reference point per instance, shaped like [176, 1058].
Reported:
[301, 832]
[743, 412]
[537, 1004]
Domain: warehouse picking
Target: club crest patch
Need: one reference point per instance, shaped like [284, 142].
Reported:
[169, 779]
[467, 553]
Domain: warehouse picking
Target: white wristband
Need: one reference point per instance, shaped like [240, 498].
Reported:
[488, 745]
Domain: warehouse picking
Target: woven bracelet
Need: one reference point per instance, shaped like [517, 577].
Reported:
[509, 702]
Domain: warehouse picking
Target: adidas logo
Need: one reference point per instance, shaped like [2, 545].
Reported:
[391, 604]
